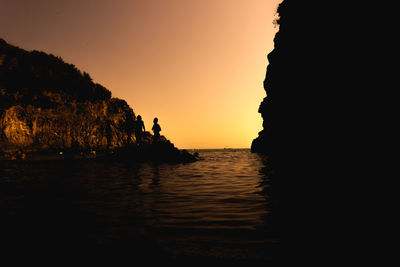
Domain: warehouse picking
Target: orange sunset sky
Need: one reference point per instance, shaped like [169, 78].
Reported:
[198, 65]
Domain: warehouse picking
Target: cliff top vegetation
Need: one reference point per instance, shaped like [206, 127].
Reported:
[32, 77]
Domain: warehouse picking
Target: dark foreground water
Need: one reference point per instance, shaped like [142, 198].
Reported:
[220, 208]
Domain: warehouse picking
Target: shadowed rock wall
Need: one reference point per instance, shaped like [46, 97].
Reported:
[319, 73]
[300, 82]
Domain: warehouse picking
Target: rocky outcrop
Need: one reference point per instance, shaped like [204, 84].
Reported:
[293, 81]
[325, 82]
[47, 105]
[268, 109]
[309, 75]
[88, 125]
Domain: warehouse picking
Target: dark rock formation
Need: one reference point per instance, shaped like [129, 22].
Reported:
[312, 73]
[300, 81]
[276, 84]
[47, 105]
[320, 72]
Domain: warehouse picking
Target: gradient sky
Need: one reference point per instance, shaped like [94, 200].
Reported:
[198, 65]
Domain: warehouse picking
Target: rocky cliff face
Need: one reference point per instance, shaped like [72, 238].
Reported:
[293, 80]
[87, 125]
[324, 80]
[268, 109]
[47, 105]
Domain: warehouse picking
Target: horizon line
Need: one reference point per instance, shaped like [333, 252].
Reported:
[216, 148]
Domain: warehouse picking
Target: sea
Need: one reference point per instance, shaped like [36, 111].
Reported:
[220, 208]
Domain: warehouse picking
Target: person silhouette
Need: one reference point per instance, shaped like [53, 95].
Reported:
[139, 125]
[156, 129]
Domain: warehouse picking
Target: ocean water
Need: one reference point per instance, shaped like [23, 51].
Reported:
[220, 208]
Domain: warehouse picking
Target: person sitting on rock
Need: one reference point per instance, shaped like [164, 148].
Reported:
[139, 125]
[156, 129]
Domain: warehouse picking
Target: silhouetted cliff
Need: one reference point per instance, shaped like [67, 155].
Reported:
[300, 83]
[280, 82]
[49, 105]
[321, 69]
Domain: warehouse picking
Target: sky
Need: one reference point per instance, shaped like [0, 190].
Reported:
[197, 65]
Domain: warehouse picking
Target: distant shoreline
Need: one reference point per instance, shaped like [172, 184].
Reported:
[199, 149]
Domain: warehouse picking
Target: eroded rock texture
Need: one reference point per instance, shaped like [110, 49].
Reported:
[47, 104]
[87, 125]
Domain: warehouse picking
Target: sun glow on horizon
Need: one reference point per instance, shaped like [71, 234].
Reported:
[198, 66]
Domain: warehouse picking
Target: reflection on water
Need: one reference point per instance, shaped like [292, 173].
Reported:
[219, 207]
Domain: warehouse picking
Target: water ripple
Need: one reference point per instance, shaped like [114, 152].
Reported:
[225, 191]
